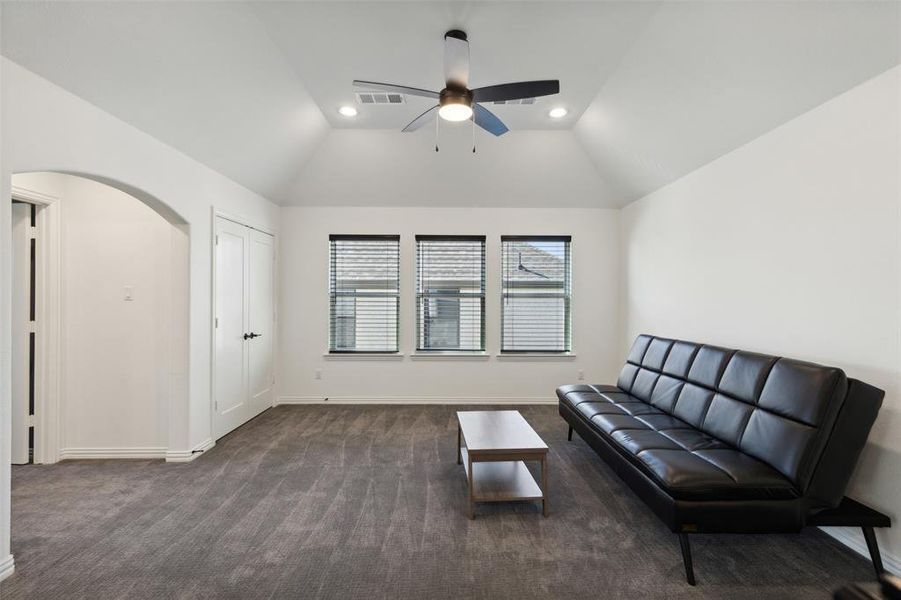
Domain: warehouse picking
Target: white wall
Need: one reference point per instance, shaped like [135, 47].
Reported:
[46, 128]
[303, 310]
[790, 245]
[115, 355]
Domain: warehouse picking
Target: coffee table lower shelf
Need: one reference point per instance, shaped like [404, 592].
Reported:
[501, 481]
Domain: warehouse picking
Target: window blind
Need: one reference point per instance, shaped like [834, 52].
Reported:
[364, 293]
[536, 294]
[450, 293]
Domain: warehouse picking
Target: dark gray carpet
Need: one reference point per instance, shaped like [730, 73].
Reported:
[368, 502]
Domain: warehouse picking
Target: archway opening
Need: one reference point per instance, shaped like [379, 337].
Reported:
[101, 351]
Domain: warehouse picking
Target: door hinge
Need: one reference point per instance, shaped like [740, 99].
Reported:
[217, 323]
[217, 239]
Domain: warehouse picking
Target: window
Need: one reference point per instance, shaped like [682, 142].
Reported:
[364, 293]
[536, 294]
[450, 293]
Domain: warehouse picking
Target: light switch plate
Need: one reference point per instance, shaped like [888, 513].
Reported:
[129, 293]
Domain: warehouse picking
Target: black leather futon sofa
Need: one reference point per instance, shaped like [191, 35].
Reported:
[717, 440]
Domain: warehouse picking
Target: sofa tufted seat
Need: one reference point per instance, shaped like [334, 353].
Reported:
[685, 461]
[721, 440]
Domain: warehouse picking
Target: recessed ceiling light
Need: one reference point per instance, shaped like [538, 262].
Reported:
[557, 113]
[348, 111]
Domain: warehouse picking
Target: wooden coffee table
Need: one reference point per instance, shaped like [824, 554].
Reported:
[492, 446]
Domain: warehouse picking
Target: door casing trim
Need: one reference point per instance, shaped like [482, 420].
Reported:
[48, 358]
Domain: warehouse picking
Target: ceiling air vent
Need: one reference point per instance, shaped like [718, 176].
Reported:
[379, 98]
[520, 101]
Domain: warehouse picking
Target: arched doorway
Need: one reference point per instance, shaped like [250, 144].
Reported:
[104, 347]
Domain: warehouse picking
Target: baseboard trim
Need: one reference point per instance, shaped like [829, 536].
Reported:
[183, 456]
[413, 400]
[7, 567]
[853, 539]
[97, 453]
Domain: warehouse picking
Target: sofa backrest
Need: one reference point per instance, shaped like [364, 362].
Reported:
[778, 410]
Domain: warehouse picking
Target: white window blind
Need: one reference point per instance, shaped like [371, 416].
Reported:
[536, 294]
[450, 293]
[364, 293]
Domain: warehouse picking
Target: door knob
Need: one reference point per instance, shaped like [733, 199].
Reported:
[251, 335]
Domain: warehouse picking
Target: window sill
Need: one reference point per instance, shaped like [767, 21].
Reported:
[439, 355]
[536, 356]
[363, 356]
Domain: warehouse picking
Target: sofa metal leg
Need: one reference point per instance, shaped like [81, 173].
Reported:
[569, 436]
[870, 536]
[686, 558]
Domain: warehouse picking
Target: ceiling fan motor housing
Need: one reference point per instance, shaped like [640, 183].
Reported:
[455, 95]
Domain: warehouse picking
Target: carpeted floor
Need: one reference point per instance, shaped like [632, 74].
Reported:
[368, 502]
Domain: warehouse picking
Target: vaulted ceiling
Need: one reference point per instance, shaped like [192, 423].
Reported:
[654, 89]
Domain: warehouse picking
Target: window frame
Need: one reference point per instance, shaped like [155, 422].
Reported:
[333, 293]
[567, 297]
[419, 296]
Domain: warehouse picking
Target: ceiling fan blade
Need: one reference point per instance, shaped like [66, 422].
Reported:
[456, 59]
[516, 91]
[400, 89]
[421, 119]
[488, 121]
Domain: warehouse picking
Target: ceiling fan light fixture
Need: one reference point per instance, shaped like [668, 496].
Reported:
[455, 112]
[455, 105]
[348, 111]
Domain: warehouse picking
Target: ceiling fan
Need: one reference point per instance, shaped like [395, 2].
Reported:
[456, 102]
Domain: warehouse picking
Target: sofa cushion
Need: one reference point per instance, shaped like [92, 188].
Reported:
[745, 375]
[698, 476]
[685, 461]
[679, 360]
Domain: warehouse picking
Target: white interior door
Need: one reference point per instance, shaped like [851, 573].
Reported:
[245, 286]
[261, 294]
[21, 329]
[230, 406]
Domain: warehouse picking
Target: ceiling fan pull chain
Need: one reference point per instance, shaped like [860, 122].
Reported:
[473, 133]
[436, 134]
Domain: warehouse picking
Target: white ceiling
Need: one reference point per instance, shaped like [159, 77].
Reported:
[702, 79]
[202, 77]
[654, 89]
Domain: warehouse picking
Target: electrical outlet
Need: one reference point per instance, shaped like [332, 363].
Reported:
[581, 375]
[318, 374]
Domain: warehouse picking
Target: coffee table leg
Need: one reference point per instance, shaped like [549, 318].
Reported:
[544, 502]
[472, 514]
[459, 454]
